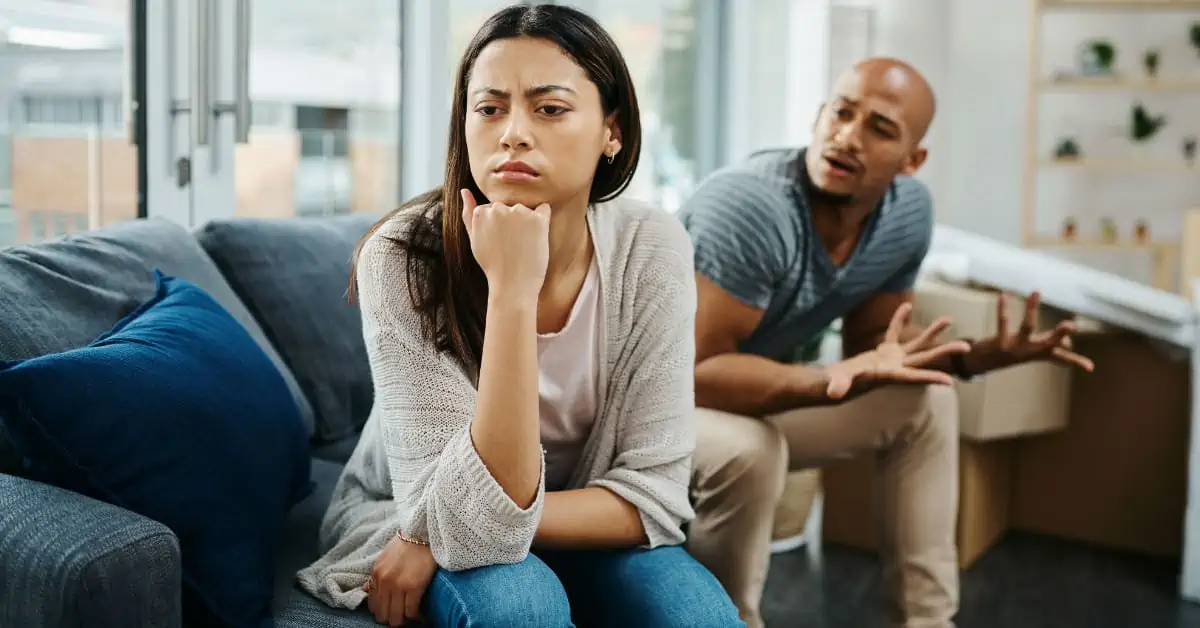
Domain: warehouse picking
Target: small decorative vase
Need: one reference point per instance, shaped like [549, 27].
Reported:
[1108, 231]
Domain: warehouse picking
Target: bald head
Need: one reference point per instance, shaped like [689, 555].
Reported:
[870, 131]
[895, 81]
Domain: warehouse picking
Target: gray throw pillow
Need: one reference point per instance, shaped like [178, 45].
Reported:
[293, 276]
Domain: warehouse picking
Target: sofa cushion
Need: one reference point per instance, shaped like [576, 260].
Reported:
[62, 294]
[292, 275]
[301, 531]
[338, 451]
[305, 611]
[293, 605]
[178, 415]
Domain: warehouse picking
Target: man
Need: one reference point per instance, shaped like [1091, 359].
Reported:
[785, 244]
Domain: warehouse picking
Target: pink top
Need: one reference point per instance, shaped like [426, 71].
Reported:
[568, 382]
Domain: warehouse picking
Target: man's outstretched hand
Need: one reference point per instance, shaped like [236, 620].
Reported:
[1007, 348]
[894, 362]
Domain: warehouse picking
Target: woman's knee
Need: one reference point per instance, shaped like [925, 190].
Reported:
[683, 595]
[711, 607]
[522, 594]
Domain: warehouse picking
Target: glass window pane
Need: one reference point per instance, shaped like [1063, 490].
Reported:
[60, 224]
[325, 87]
[37, 226]
[64, 156]
[466, 16]
[8, 227]
[658, 39]
[5, 166]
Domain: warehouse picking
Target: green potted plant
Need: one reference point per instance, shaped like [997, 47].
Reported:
[1150, 61]
[1097, 57]
[1143, 125]
[1067, 149]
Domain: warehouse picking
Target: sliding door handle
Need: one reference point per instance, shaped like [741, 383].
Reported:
[201, 48]
[240, 107]
[241, 96]
[132, 100]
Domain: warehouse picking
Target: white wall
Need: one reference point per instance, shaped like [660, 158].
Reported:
[917, 31]
[983, 121]
[778, 56]
[974, 54]
[807, 84]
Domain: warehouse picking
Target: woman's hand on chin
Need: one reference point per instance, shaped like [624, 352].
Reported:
[511, 244]
[513, 198]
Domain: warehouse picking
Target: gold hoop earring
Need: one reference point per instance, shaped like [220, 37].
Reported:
[611, 157]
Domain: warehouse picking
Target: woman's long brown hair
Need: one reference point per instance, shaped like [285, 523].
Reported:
[446, 284]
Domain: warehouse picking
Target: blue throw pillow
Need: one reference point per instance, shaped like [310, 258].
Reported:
[178, 415]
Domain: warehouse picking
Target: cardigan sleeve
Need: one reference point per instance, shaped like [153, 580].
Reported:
[426, 403]
[656, 435]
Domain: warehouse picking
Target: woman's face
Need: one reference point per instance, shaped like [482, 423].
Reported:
[535, 129]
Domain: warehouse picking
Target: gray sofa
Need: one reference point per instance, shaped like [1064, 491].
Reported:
[67, 560]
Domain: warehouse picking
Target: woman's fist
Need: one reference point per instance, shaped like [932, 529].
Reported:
[511, 244]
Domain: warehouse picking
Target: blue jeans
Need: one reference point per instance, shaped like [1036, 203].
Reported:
[658, 588]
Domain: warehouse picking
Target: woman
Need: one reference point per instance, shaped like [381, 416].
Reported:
[528, 456]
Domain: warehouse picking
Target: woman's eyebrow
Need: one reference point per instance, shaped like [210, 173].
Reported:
[537, 90]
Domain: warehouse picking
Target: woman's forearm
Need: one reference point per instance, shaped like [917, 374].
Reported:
[505, 430]
[589, 518]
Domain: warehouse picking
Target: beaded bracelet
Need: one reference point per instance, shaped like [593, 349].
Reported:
[400, 535]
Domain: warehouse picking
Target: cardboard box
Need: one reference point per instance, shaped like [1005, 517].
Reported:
[1117, 476]
[1020, 401]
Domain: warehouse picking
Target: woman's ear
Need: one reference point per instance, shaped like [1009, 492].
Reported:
[612, 137]
[612, 148]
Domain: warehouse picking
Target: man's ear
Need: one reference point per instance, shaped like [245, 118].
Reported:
[915, 160]
[817, 120]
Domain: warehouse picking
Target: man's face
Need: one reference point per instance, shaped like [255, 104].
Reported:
[867, 134]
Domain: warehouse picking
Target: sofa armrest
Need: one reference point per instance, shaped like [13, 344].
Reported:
[67, 560]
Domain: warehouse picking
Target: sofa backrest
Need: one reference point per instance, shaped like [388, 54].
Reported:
[64, 293]
[293, 276]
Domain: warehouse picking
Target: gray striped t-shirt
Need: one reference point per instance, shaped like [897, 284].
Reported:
[752, 231]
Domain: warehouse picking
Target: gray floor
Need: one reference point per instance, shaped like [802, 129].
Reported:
[1025, 581]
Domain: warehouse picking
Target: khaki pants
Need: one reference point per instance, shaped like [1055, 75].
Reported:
[912, 430]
